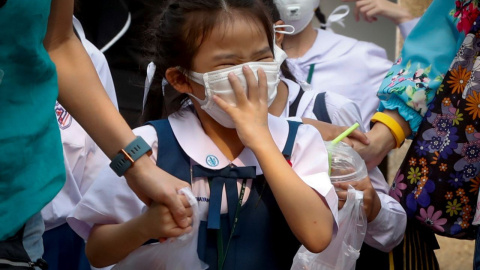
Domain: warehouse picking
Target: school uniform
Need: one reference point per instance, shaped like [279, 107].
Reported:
[387, 229]
[83, 160]
[346, 66]
[197, 155]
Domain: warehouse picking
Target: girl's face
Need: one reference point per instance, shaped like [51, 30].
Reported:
[229, 44]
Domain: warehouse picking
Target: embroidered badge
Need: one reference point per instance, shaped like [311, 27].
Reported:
[64, 119]
[212, 161]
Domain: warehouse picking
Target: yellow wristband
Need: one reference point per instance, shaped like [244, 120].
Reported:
[394, 127]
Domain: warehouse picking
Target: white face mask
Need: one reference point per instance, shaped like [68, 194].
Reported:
[297, 13]
[217, 83]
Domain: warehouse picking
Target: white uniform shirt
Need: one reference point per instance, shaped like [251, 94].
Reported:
[82, 157]
[111, 201]
[387, 229]
[352, 68]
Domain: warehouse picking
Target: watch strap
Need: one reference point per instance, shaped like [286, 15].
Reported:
[126, 157]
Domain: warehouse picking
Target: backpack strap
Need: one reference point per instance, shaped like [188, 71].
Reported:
[292, 111]
[292, 134]
[320, 108]
[171, 157]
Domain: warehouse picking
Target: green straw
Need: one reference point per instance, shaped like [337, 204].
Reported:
[337, 140]
[345, 133]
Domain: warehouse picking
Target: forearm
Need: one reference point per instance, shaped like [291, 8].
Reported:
[110, 243]
[82, 94]
[306, 213]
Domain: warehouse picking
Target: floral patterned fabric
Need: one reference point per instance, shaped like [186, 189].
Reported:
[411, 84]
[438, 181]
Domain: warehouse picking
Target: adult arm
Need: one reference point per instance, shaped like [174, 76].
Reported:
[82, 94]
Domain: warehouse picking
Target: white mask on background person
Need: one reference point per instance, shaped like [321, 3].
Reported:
[297, 13]
[217, 83]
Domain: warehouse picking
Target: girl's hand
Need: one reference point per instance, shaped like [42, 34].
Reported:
[250, 115]
[371, 201]
[158, 222]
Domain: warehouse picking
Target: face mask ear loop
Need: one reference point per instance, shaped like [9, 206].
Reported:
[285, 32]
[148, 82]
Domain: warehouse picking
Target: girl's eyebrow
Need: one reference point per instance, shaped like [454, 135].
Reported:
[232, 55]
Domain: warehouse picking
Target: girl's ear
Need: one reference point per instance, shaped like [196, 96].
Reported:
[178, 80]
[279, 36]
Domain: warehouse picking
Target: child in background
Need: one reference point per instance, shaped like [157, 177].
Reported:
[224, 144]
[332, 62]
[63, 248]
[386, 217]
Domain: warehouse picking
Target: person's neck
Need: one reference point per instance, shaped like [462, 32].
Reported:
[280, 102]
[225, 139]
[298, 45]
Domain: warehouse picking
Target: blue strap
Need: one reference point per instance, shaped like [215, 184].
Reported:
[227, 176]
[171, 158]
[292, 134]
[320, 108]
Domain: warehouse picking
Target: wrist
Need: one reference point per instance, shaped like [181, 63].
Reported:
[382, 136]
[395, 129]
[127, 157]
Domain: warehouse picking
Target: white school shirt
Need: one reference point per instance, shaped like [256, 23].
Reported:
[82, 157]
[110, 201]
[387, 229]
[352, 68]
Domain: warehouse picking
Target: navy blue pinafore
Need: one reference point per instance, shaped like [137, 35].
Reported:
[262, 238]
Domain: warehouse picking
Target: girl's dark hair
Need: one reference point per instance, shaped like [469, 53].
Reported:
[321, 17]
[275, 16]
[178, 32]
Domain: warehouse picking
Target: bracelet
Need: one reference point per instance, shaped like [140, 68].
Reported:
[394, 127]
[125, 159]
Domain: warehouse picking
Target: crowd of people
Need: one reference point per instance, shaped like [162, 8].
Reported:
[227, 150]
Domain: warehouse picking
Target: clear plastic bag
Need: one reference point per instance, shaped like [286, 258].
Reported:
[174, 254]
[344, 250]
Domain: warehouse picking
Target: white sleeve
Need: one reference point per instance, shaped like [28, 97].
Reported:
[386, 231]
[407, 27]
[310, 161]
[388, 228]
[376, 66]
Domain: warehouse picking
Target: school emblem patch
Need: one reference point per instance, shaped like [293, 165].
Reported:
[64, 119]
[212, 161]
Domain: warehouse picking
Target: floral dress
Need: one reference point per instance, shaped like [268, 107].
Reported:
[435, 86]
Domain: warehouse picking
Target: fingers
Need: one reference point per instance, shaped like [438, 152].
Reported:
[237, 86]
[359, 136]
[262, 85]
[252, 83]
[179, 213]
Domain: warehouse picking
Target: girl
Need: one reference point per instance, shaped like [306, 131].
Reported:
[224, 144]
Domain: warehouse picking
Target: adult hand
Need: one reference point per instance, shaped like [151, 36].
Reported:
[374, 153]
[371, 9]
[158, 222]
[150, 183]
[330, 132]
[371, 201]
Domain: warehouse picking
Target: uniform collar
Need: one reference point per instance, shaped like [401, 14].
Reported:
[200, 148]
[293, 91]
